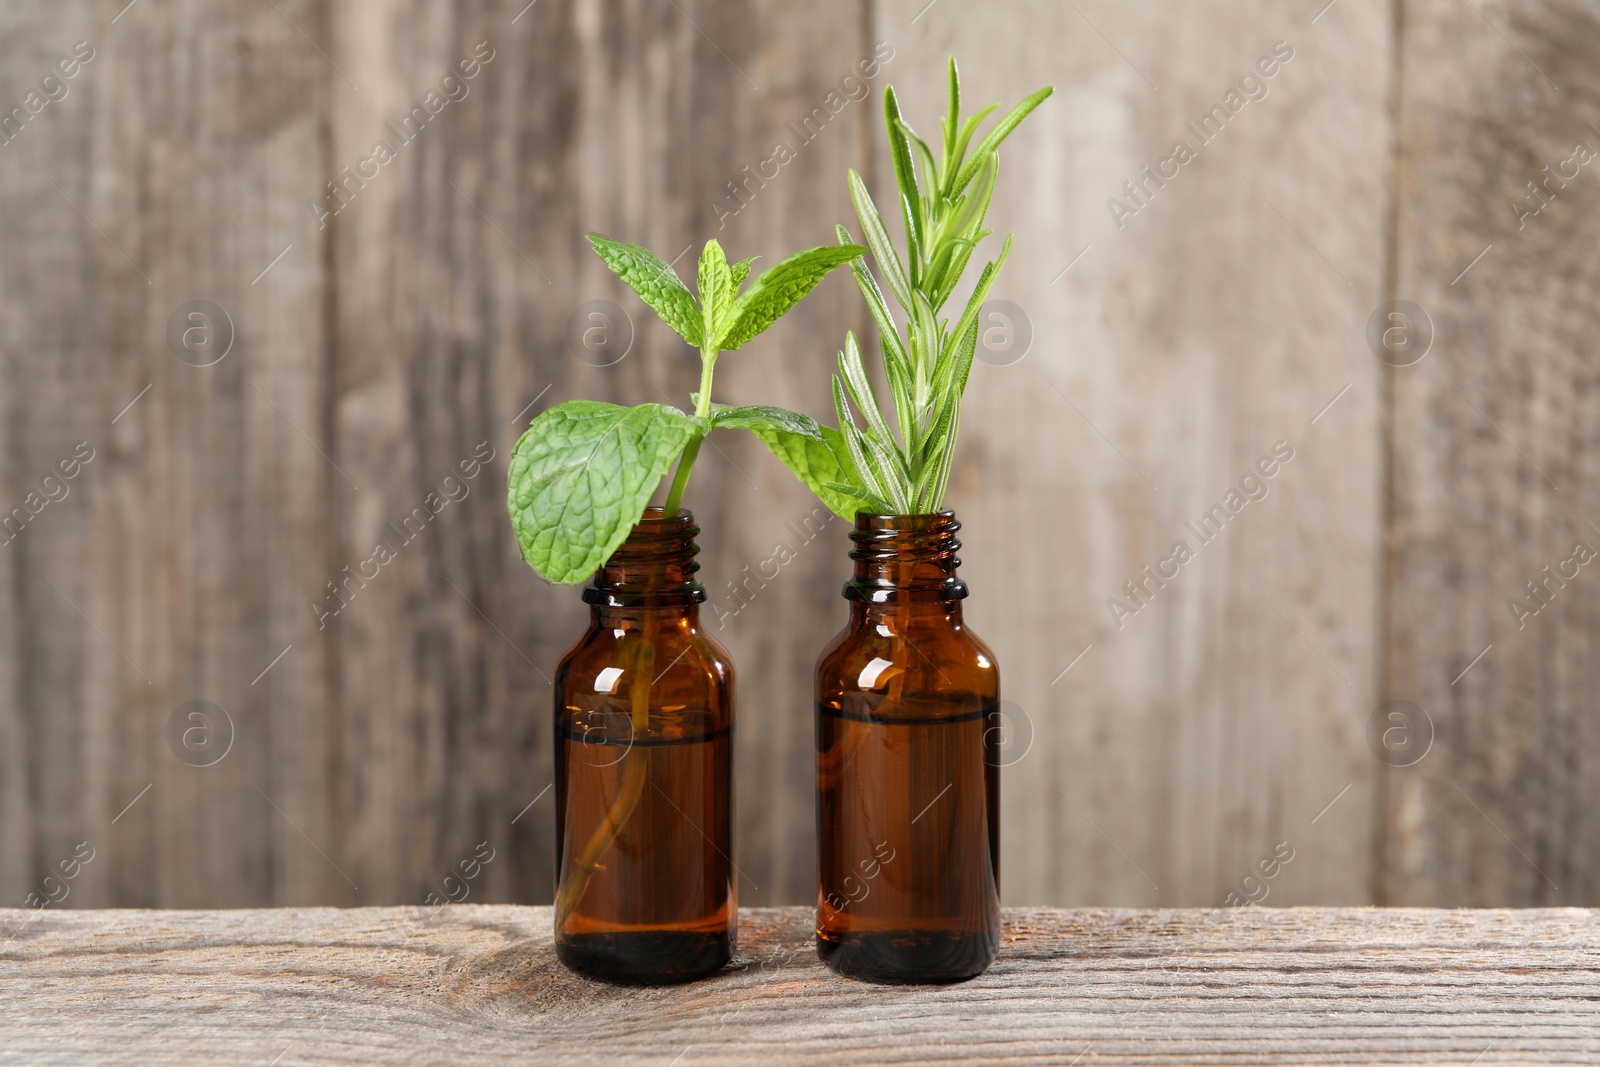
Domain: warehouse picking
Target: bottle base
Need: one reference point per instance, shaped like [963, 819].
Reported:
[654, 957]
[910, 957]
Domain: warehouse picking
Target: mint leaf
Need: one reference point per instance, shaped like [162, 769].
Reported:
[717, 288]
[816, 454]
[646, 274]
[581, 476]
[777, 290]
[870, 504]
[741, 269]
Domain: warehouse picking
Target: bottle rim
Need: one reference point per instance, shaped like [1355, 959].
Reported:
[905, 558]
[911, 522]
[656, 543]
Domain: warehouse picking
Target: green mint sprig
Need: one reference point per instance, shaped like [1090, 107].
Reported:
[584, 471]
[905, 469]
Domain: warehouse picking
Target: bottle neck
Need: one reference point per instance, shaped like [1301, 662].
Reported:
[906, 559]
[652, 570]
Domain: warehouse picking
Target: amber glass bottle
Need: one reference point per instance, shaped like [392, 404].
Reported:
[644, 771]
[908, 784]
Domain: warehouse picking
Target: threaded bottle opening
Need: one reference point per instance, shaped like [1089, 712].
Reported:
[904, 558]
[655, 566]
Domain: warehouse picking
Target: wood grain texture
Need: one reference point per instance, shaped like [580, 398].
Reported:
[231, 515]
[170, 571]
[460, 272]
[1493, 459]
[230, 509]
[1194, 334]
[480, 984]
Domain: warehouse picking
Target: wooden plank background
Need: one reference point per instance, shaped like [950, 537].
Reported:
[1160, 756]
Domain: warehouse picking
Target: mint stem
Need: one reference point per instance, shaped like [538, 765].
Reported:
[691, 451]
[681, 480]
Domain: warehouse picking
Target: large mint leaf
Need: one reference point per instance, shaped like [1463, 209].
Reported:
[655, 282]
[581, 476]
[816, 454]
[777, 290]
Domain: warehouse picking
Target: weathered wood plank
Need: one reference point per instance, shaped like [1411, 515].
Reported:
[425, 317]
[479, 984]
[1213, 319]
[819, 77]
[1492, 453]
[170, 571]
[460, 270]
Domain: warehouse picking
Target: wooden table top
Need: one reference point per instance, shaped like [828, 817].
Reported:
[480, 983]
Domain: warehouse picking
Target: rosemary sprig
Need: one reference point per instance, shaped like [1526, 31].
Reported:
[943, 200]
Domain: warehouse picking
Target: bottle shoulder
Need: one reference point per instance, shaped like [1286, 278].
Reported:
[684, 676]
[880, 658]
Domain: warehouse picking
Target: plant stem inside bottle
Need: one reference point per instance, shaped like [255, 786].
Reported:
[654, 903]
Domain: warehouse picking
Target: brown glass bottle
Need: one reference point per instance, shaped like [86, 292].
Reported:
[644, 771]
[908, 781]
